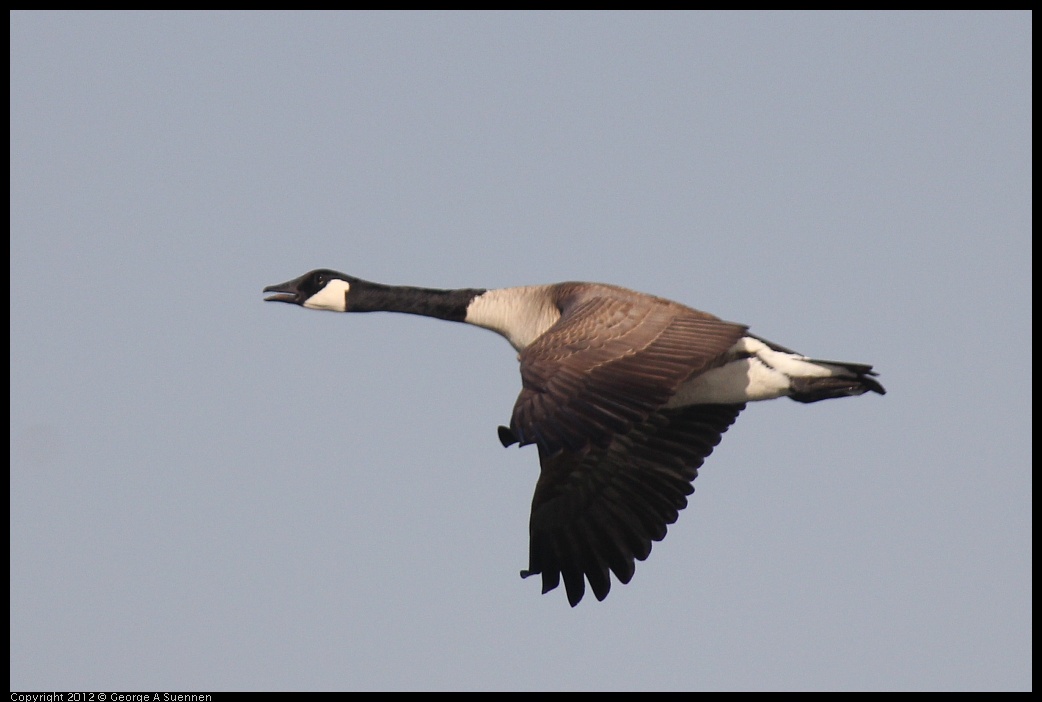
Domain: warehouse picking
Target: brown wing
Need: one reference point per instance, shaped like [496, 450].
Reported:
[613, 358]
[601, 509]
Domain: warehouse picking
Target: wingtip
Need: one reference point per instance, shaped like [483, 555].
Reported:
[508, 439]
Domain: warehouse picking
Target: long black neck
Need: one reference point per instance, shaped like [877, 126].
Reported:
[429, 302]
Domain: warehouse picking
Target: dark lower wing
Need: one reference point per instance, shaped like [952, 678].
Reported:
[600, 510]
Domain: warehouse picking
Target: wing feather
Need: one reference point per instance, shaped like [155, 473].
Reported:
[600, 510]
[611, 360]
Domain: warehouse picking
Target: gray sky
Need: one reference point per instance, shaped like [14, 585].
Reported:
[213, 493]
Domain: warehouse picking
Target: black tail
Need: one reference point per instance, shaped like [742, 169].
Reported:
[854, 379]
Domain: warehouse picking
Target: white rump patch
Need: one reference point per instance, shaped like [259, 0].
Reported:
[791, 364]
[757, 372]
[333, 297]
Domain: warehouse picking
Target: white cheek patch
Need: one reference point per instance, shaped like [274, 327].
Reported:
[333, 297]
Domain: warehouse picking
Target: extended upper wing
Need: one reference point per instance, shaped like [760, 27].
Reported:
[612, 359]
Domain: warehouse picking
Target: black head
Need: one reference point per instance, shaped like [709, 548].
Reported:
[321, 289]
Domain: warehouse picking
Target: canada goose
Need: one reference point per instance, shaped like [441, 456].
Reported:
[623, 393]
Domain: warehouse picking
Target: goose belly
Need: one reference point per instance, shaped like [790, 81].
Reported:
[737, 381]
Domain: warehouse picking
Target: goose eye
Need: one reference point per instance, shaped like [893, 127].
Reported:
[321, 280]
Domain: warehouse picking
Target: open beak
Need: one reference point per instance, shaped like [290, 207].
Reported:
[284, 292]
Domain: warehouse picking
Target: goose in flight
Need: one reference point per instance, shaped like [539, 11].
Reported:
[624, 395]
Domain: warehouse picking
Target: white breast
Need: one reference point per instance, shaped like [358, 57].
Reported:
[519, 314]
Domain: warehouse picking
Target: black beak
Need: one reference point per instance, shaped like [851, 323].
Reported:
[285, 292]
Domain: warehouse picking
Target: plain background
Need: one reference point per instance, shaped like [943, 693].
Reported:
[209, 492]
